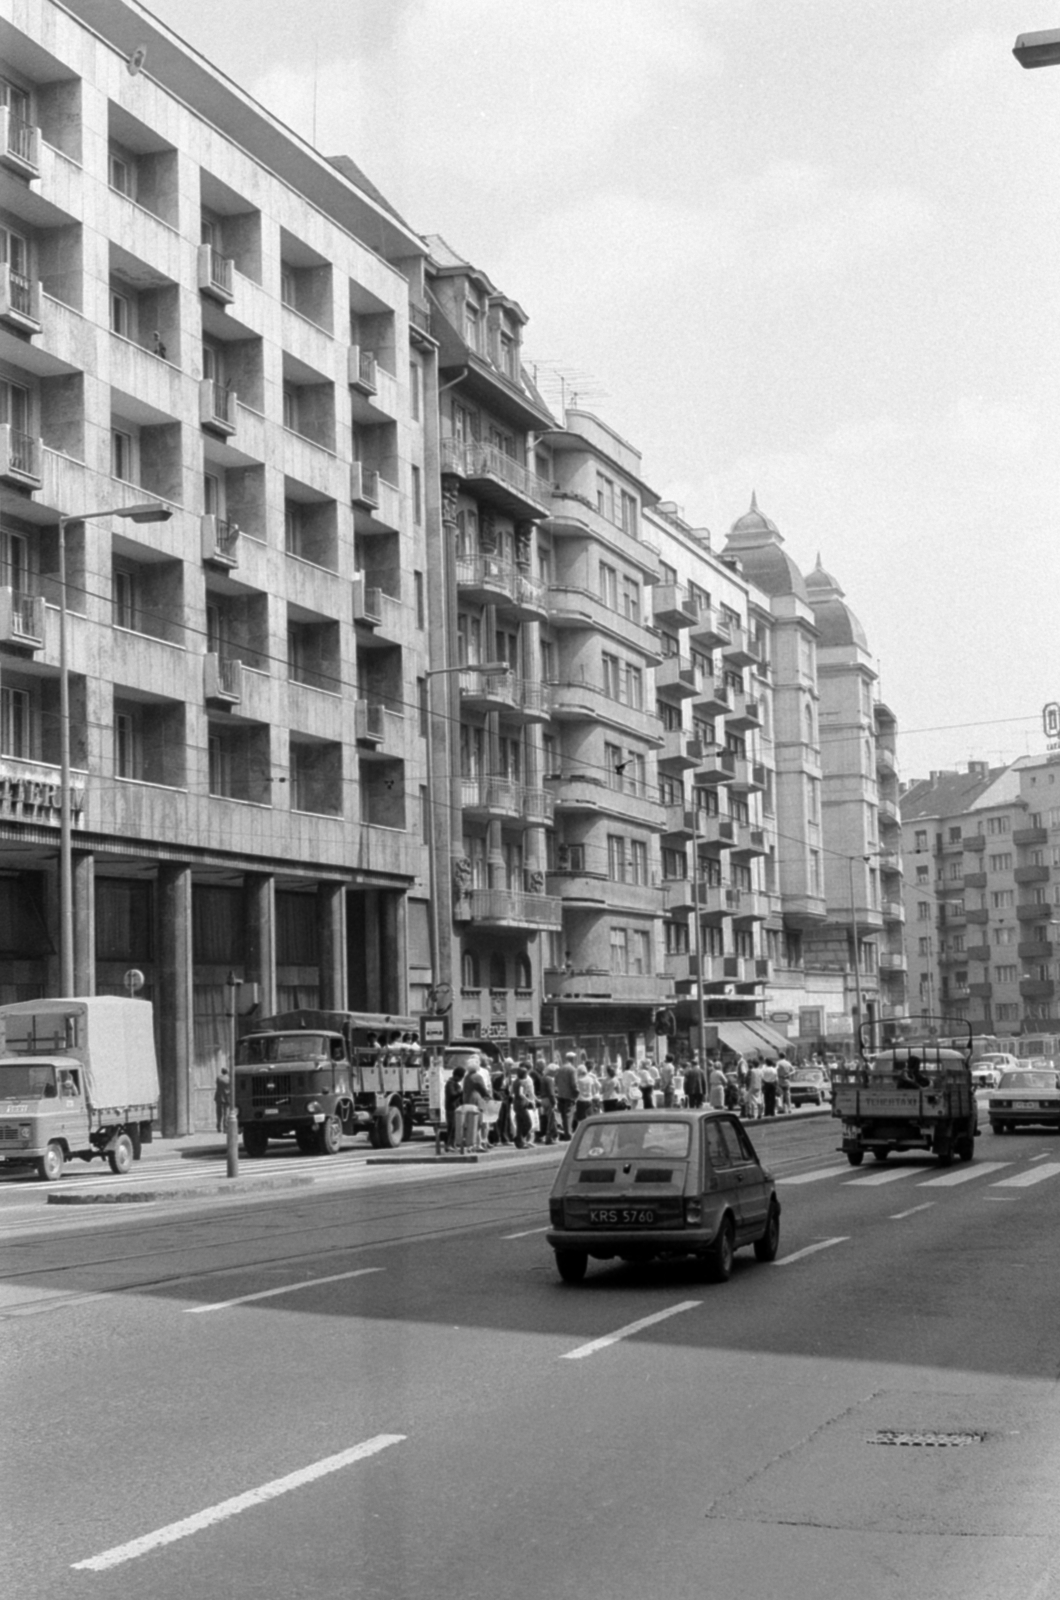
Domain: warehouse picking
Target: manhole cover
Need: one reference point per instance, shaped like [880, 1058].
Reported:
[934, 1441]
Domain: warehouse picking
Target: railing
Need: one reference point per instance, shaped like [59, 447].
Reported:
[22, 140]
[529, 591]
[26, 615]
[363, 369]
[420, 317]
[510, 905]
[20, 293]
[364, 484]
[219, 404]
[23, 452]
[477, 460]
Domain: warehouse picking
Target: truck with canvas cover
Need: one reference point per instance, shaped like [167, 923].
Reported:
[313, 1076]
[915, 1096]
[78, 1078]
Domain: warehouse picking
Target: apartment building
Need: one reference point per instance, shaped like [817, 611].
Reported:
[981, 848]
[242, 340]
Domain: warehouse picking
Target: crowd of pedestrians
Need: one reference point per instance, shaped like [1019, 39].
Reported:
[537, 1100]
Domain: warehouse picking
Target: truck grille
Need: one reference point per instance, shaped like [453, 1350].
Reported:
[271, 1090]
[8, 1133]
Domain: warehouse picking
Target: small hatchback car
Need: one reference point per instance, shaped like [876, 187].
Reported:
[638, 1185]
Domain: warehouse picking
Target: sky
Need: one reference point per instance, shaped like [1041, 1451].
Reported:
[810, 250]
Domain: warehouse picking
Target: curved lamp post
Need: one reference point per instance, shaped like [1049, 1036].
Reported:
[139, 513]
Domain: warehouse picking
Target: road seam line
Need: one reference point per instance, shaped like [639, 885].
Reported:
[286, 1288]
[899, 1216]
[630, 1328]
[811, 1249]
[120, 1553]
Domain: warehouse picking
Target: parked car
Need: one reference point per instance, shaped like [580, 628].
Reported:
[987, 1068]
[1025, 1099]
[662, 1184]
[810, 1085]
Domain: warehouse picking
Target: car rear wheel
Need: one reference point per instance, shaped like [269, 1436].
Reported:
[767, 1246]
[998, 1127]
[717, 1263]
[855, 1157]
[571, 1265]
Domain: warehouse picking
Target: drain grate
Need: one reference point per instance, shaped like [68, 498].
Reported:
[934, 1441]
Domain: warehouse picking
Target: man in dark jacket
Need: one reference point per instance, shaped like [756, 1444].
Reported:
[695, 1085]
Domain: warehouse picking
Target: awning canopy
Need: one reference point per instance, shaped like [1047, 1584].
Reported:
[774, 1040]
[742, 1040]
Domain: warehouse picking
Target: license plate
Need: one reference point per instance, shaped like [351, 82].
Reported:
[1024, 1105]
[620, 1216]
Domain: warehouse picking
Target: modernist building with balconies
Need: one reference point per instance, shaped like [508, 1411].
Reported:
[238, 338]
[982, 851]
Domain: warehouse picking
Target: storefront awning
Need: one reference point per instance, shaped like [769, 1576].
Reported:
[774, 1040]
[738, 1037]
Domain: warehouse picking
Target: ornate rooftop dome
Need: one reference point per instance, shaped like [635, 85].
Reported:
[757, 541]
[836, 623]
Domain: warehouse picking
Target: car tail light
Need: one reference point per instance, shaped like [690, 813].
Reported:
[693, 1212]
[555, 1213]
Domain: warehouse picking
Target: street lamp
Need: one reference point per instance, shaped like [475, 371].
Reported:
[139, 513]
[699, 932]
[857, 955]
[1038, 49]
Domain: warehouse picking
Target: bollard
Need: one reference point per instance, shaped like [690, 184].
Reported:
[232, 1138]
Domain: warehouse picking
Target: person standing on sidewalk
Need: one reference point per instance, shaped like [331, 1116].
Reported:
[770, 1085]
[695, 1085]
[220, 1098]
[566, 1092]
[785, 1073]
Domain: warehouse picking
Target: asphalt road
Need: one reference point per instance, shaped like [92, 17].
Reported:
[379, 1388]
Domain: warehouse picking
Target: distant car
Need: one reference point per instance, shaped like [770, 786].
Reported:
[810, 1085]
[985, 1077]
[1024, 1099]
[662, 1184]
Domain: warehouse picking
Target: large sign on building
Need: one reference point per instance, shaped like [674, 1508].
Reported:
[35, 799]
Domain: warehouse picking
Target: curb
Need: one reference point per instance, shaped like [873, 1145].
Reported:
[149, 1196]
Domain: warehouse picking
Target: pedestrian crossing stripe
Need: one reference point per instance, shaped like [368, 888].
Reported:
[1023, 1180]
[946, 1180]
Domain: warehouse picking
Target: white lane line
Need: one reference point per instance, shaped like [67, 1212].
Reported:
[887, 1175]
[630, 1328]
[811, 1249]
[1023, 1180]
[526, 1233]
[285, 1288]
[964, 1175]
[899, 1216]
[813, 1177]
[120, 1553]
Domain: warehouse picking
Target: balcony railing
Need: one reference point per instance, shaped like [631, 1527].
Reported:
[21, 619]
[19, 142]
[220, 541]
[364, 485]
[20, 456]
[420, 317]
[363, 372]
[216, 274]
[223, 678]
[19, 299]
[510, 906]
[480, 462]
[217, 406]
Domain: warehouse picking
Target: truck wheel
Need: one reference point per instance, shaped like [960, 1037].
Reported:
[136, 1138]
[571, 1265]
[965, 1147]
[390, 1128]
[120, 1155]
[255, 1141]
[306, 1140]
[50, 1164]
[944, 1151]
[329, 1136]
[855, 1157]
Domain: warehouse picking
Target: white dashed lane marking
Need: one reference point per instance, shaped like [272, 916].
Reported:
[626, 1332]
[811, 1249]
[285, 1288]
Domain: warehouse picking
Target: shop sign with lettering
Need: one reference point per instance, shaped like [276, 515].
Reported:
[35, 799]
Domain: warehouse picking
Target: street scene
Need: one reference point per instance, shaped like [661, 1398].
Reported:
[529, 982]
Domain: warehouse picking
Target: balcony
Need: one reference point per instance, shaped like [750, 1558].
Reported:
[367, 603]
[885, 761]
[889, 814]
[746, 713]
[751, 906]
[21, 456]
[584, 702]
[673, 606]
[1026, 836]
[749, 842]
[509, 908]
[19, 300]
[484, 578]
[362, 370]
[222, 679]
[974, 842]
[1035, 874]
[892, 961]
[594, 984]
[748, 776]
[21, 620]
[217, 407]
[978, 952]
[216, 275]
[975, 880]
[584, 794]
[1036, 911]
[719, 766]
[715, 833]
[495, 479]
[220, 542]
[583, 890]
[712, 699]
[710, 631]
[741, 650]
[364, 485]
[718, 901]
[420, 322]
[1036, 950]
[675, 677]
[1037, 988]
[981, 991]
[377, 729]
[486, 691]
[19, 144]
[679, 752]
[677, 826]
[678, 896]
[890, 861]
[495, 796]
[893, 910]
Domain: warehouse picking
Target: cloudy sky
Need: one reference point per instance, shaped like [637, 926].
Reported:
[811, 249]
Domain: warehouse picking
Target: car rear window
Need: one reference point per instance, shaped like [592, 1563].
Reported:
[627, 1138]
[1028, 1080]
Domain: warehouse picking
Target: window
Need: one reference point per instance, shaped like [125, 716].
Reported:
[606, 501]
[955, 835]
[1006, 974]
[1001, 862]
[421, 617]
[288, 287]
[415, 391]
[629, 514]
[417, 496]
[126, 746]
[122, 172]
[612, 676]
[638, 861]
[121, 321]
[619, 952]
[14, 406]
[922, 874]
[609, 586]
[815, 872]
[472, 325]
[616, 858]
[923, 911]
[16, 734]
[14, 562]
[923, 946]
[920, 839]
[639, 952]
[1002, 897]
[220, 764]
[997, 825]
[124, 587]
[634, 687]
[675, 937]
[122, 456]
[674, 864]
[290, 405]
[631, 599]
[1004, 935]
